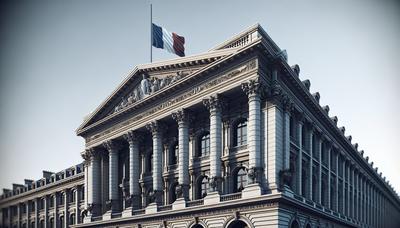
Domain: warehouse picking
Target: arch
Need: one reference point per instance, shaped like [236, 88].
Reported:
[197, 224]
[241, 222]
[308, 225]
[202, 186]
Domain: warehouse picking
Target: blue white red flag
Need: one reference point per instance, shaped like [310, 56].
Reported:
[171, 42]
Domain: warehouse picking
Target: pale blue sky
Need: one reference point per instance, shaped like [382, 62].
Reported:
[60, 59]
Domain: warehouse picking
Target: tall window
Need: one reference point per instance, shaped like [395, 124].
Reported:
[204, 145]
[72, 196]
[51, 201]
[241, 179]
[61, 199]
[205, 187]
[72, 219]
[62, 221]
[173, 153]
[149, 163]
[240, 133]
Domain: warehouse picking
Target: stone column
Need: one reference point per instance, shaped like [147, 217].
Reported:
[310, 168]
[156, 129]
[319, 148]
[337, 183]
[55, 203]
[252, 90]
[112, 148]
[36, 212]
[343, 185]
[77, 200]
[28, 210]
[133, 139]
[329, 178]
[93, 195]
[214, 105]
[46, 211]
[66, 213]
[182, 118]
[300, 156]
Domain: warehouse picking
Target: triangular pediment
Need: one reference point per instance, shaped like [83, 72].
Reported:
[148, 80]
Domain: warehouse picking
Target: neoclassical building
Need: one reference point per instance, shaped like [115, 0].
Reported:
[230, 138]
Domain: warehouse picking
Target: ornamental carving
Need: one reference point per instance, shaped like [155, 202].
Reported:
[214, 103]
[132, 137]
[195, 90]
[251, 88]
[181, 116]
[111, 145]
[147, 86]
[155, 127]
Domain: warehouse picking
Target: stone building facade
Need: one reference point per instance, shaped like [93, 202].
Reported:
[228, 138]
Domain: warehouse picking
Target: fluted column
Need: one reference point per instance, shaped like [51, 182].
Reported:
[252, 90]
[92, 160]
[214, 105]
[112, 149]
[182, 118]
[133, 139]
[156, 129]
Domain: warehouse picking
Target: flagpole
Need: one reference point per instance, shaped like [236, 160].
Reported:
[151, 33]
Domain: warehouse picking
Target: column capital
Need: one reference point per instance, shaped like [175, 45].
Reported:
[181, 116]
[111, 145]
[156, 127]
[132, 137]
[89, 154]
[252, 88]
[214, 103]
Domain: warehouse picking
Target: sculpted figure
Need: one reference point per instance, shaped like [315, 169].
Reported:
[145, 85]
[136, 95]
[163, 83]
[154, 85]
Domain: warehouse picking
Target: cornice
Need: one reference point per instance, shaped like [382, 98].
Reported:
[44, 190]
[184, 81]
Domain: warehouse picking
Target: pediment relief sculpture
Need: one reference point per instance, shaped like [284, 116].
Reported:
[146, 87]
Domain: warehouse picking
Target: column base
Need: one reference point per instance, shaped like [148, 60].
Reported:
[151, 208]
[212, 198]
[107, 215]
[179, 203]
[252, 190]
[127, 212]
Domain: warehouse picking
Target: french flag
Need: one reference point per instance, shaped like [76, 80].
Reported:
[168, 41]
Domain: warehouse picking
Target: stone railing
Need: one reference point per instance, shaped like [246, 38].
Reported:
[233, 196]
[193, 203]
[165, 207]
[139, 212]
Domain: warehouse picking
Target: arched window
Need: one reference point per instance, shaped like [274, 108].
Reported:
[52, 201]
[61, 199]
[82, 197]
[204, 149]
[72, 219]
[197, 226]
[294, 224]
[51, 222]
[240, 133]
[172, 192]
[238, 224]
[241, 180]
[204, 187]
[61, 221]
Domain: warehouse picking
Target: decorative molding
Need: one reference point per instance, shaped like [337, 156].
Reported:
[181, 116]
[132, 137]
[250, 65]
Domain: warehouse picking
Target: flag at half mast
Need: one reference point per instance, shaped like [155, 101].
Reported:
[171, 42]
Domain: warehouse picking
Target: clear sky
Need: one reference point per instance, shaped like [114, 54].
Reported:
[60, 59]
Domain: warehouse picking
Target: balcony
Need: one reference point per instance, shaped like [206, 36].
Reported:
[233, 196]
[194, 203]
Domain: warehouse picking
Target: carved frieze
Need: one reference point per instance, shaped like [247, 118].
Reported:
[146, 87]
